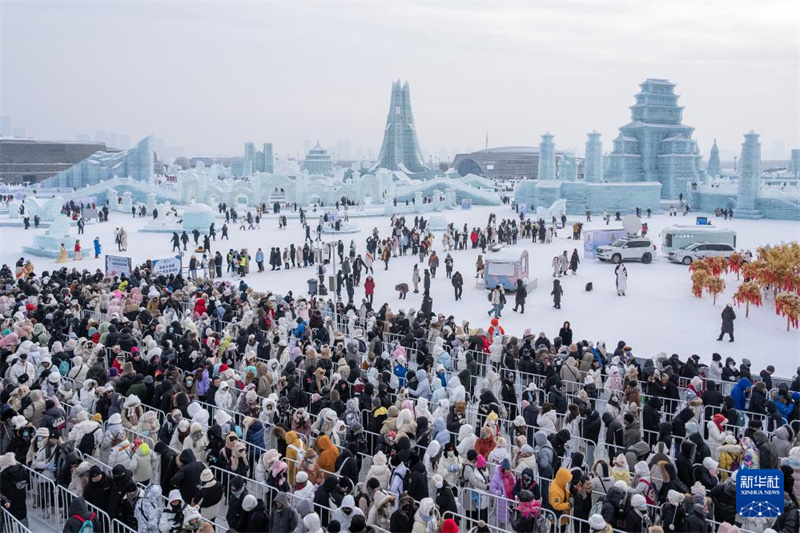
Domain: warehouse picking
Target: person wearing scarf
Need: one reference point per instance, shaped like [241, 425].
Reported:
[502, 485]
[528, 510]
[426, 519]
[238, 461]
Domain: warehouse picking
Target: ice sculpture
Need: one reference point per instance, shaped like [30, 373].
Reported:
[48, 242]
[167, 221]
[400, 148]
[547, 158]
[656, 146]
[136, 163]
[568, 168]
[198, 217]
[714, 170]
[593, 172]
[558, 209]
[749, 175]
[437, 223]
[46, 208]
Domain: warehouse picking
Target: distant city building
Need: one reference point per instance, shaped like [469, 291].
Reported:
[5, 125]
[400, 148]
[32, 161]
[318, 160]
[504, 162]
[136, 163]
[257, 160]
[656, 146]
[269, 158]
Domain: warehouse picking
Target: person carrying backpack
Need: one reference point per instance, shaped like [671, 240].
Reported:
[81, 519]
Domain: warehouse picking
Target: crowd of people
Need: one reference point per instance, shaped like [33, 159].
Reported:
[179, 404]
[174, 404]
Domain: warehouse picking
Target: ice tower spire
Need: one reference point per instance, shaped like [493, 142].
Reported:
[713, 169]
[400, 149]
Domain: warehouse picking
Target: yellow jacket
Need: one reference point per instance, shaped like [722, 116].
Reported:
[295, 447]
[559, 495]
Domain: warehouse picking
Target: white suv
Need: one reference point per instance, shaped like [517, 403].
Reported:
[700, 250]
[627, 249]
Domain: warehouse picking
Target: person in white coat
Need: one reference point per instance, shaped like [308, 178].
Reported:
[621, 274]
[547, 420]
[379, 470]
[78, 371]
[86, 396]
[21, 366]
[196, 441]
[223, 398]
[85, 426]
[120, 453]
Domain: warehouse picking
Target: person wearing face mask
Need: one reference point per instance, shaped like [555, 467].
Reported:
[449, 465]
[238, 492]
[729, 372]
[189, 387]
[427, 518]
[43, 454]
[402, 520]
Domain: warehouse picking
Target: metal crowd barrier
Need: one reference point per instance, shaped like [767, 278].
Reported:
[10, 523]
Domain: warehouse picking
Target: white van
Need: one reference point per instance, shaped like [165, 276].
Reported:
[678, 237]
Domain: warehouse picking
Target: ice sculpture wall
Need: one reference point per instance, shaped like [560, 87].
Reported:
[136, 163]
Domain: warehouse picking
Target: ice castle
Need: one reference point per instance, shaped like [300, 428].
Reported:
[656, 146]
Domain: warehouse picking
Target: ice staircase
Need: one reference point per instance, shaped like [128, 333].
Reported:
[122, 185]
[463, 190]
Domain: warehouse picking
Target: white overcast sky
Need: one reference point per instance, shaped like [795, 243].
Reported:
[209, 76]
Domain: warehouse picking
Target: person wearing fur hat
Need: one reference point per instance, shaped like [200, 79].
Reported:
[310, 467]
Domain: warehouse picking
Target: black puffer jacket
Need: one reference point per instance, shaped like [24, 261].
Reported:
[789, 521]
[418, 482]
[187, 479]
[724, 496]
[13, 486]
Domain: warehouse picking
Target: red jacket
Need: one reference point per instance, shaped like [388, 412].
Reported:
[369, 286]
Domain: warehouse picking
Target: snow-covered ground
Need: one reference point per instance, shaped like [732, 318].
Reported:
[659, 313]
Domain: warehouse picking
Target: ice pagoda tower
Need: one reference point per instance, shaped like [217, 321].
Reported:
[400, 149]
[593, 171]
[749, 176]
[714, 169]
[655, 145]
[547, 158]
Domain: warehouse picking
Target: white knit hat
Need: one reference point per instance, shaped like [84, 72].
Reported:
[249, 503]
[597, 523]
